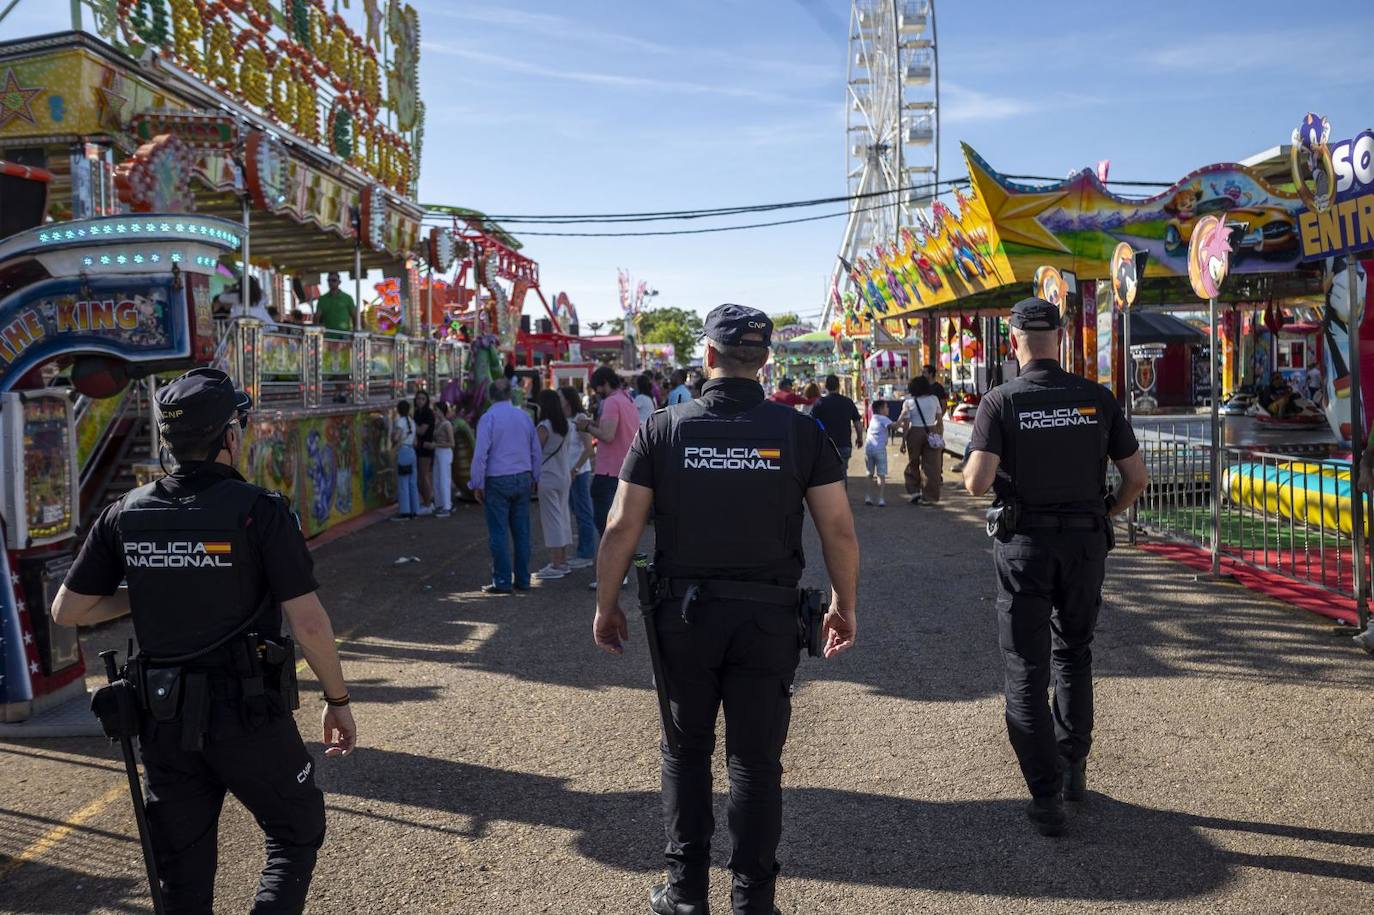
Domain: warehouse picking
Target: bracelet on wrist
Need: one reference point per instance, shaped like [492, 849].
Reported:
[335, 703]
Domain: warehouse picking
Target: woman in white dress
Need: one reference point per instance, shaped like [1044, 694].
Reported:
[555, 479]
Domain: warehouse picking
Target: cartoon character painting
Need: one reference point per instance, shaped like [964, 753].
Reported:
[1310, 151]
[1124, 279]
[1209, 256]
[1049, 285]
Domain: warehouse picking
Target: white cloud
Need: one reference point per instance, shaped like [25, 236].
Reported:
[614, 80]
[960, 104]
[563, 28]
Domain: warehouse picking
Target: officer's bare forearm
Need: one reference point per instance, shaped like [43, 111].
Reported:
[311, 629]
[624, 526]
[1134, 479]
[829, 506]
[71, 608]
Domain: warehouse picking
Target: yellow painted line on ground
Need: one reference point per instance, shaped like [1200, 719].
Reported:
[48, 840]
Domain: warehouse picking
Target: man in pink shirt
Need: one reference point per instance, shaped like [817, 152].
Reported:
[614, 430]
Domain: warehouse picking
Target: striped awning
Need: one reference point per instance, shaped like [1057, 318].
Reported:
[887, 360]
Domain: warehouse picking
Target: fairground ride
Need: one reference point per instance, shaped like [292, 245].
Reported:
[892, 124]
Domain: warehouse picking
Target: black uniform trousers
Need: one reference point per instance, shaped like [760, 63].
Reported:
[268, 769]
[743, 656]
[1049, 593]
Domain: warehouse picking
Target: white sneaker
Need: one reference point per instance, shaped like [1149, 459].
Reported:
[868, 500]
[425, 511]
[550, 572]
[578, 563]
[592, 586]
[882, 503]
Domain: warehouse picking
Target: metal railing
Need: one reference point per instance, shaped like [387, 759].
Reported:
[1285, 514]
[288, 366]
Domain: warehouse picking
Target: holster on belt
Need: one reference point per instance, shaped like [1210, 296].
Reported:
[247, 666]
[118, 706]
[279, 665]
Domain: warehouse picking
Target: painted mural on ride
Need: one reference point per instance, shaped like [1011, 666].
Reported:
[1001, 231]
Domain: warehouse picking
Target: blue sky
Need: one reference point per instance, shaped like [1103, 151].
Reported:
[538, 106]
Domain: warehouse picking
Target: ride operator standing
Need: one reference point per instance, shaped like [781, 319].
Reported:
[1042, 442]
[211, 563]
[725, 477]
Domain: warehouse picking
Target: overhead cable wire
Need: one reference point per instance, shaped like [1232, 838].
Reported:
[661, 232]
[673, 215]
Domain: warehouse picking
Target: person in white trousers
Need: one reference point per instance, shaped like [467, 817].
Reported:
[443, 461]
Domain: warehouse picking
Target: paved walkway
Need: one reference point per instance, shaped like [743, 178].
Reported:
[509, 767]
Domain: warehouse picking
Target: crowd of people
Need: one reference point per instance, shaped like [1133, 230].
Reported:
[553, 448]
[918, 428]
[533, 444]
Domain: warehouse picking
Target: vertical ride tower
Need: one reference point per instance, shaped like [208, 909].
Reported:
[892, 123]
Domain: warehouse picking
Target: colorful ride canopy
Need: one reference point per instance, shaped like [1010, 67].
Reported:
[133, 288]
[1001, 232]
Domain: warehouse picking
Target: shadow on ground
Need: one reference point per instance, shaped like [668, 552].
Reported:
[1114, 851]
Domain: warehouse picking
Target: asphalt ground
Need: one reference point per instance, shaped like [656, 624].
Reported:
[507, 766]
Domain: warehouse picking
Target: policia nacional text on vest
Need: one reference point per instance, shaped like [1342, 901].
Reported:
[210, 692]
[725, 478]
[1053, 434]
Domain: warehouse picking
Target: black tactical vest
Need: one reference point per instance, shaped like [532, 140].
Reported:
[729, 499]
[193, 575]
[1059, 444]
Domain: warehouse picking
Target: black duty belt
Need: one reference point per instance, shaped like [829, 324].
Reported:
[719, 589]
[1042, 522]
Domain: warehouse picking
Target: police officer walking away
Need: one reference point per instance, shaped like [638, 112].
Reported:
[211, 562]
[1042, 441]
[725, 477]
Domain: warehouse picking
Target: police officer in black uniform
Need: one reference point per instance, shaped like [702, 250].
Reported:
[1042, 442]
[725, 477]
[211, 562]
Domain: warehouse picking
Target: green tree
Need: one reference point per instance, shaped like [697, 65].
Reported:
[785, 318]
[678, 326]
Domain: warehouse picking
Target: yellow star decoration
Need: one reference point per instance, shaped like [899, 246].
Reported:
[1014, 212]
[16, 102]
[111, 101]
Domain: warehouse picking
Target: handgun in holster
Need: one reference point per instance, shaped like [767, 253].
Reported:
[1003, 519]
[279, 664]
[247, 665]
[812, 605]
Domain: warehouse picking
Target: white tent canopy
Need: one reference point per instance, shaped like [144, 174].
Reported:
[887, 360]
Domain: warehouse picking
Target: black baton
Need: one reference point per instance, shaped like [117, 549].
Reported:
[136, 790]
[648, 606]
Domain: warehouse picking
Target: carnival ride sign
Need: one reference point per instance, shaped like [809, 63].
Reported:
[1339, 218]
[298, 64]
[136, 318]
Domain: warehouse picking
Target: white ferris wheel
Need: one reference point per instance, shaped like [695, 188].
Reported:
[892, 122]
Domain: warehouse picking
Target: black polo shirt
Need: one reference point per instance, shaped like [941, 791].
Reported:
[989, 428]
[817, 463]
[837, 415]
[283, 560]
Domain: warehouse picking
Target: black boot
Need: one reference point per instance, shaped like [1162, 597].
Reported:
[1047, 813]
[1075, 780]
[661, 902]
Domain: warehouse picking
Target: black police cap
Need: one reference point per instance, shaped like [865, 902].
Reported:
[1034, 314]
[735, 325]
[199, 404]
